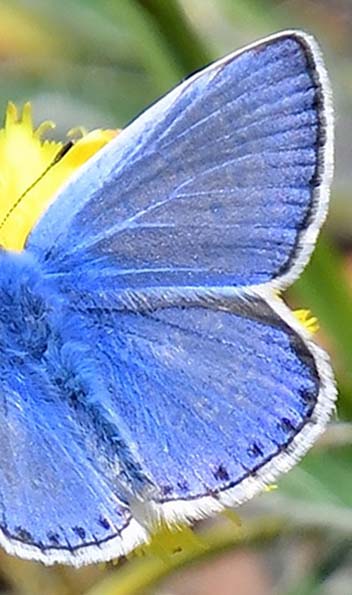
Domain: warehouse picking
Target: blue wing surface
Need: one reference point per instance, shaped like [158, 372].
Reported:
[222, 182]
[113, 416]
[58, 501]
[211, 392]
[62, 484]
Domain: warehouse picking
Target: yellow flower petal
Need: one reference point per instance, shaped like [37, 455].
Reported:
[31, 173]
[86, 146]
[270, 488]
[167, 541]
[306, 318]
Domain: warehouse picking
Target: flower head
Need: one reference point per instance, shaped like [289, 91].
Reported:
[33, 169]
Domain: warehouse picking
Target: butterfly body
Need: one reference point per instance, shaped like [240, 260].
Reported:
[149, 369]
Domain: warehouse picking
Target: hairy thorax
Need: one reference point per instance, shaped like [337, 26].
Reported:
[27, 306]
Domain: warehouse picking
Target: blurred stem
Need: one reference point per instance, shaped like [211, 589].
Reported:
[335, 436]
[254, 13]
[323, 288]
[141, 574]
[173, 25]
[336, 557]
[324, 515]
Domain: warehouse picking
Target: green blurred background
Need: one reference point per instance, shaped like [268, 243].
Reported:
[99, 63]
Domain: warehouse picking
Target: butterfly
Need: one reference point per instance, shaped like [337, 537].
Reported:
[150, 370]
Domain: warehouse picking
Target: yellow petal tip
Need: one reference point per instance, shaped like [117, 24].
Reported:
[307, 320]
[11, 114]
[27, 115]
[43, 128]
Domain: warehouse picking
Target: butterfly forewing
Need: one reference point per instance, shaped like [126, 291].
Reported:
[222, 182]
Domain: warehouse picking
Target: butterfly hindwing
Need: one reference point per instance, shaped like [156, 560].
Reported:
[149, 409]
[222, 182]
[215, 393]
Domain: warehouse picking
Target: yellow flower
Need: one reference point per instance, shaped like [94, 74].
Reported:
[33, 169]
[309, 321]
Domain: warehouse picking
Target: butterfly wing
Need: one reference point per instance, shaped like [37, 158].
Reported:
[136, 414]
[133, 414]
[221, 395]
[58, 500]
[224, 181]
[175, 400]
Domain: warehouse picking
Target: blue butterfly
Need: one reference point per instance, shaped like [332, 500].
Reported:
[149, 368]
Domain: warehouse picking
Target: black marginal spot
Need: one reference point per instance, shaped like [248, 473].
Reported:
[309, 397]
[54, 538]
[221, 473]
[254, 450]
[183, 486]
[79, 531]
[103, 521]
[166, 490]
[23, 535]
[287, 425]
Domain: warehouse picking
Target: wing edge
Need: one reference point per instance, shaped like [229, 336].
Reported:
[307, 237]
[152, 513]
[121, 544]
